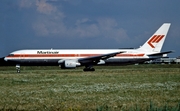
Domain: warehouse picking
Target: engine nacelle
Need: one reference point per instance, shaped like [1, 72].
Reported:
[101, 62]
[69, 64]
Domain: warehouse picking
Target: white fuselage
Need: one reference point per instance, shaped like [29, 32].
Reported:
[54, 55]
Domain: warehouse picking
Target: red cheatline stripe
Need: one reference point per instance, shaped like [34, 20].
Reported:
[68, 55]
[157, 37]
[52, 55]
[160, 38]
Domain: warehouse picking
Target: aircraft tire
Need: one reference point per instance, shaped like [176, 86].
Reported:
[88, 69]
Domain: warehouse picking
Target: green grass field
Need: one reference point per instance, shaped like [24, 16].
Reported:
[112, 88]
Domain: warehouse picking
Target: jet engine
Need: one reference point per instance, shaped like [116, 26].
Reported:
[69, 64]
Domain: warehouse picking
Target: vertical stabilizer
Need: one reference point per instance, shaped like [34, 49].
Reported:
[156, 41]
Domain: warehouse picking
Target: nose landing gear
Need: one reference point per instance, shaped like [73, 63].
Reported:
[18, 68]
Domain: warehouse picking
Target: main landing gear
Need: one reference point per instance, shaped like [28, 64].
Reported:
[18, 68]
[88, 68]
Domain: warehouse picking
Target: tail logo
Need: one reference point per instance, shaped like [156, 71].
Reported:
[155, 39]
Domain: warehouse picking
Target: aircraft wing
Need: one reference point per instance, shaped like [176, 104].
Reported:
[161, 53]
[96, 59]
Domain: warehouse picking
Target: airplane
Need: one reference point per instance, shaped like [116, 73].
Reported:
[73, 58]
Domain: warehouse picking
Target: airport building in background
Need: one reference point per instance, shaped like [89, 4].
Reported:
[165, 60]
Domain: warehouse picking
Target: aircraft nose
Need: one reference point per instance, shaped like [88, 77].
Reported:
[5, 59]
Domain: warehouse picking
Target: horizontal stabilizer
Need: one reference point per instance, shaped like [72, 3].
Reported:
[161, 53]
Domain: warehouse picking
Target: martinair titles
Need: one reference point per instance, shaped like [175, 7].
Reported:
[47, 52]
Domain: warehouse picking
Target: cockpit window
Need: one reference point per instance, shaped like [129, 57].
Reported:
[11, 55]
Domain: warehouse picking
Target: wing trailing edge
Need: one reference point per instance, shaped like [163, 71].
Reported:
[96, 59]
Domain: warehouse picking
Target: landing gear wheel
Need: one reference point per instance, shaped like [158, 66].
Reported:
[88, 69]
[92, 69]
[18, 68]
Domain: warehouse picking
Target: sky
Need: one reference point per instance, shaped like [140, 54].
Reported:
[86, 24]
